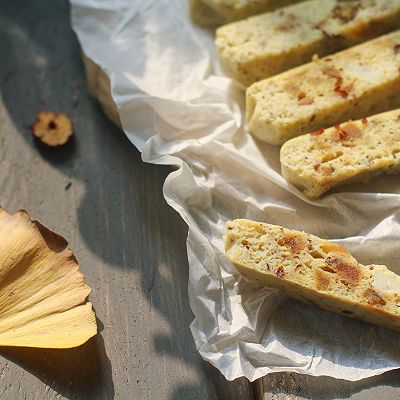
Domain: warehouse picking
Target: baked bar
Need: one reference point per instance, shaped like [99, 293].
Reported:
[315, 271]
[350, 152]
[270, 43]
[352, 84]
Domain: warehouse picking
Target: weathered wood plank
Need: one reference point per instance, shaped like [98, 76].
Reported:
[109, 205]
[290, 386]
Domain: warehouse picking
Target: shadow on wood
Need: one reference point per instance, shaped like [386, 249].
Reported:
[58, 155]
[79, 373]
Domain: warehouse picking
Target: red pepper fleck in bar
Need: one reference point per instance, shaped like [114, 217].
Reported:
[317, 132]
[333, 72]
[342, 134]
[344, 93]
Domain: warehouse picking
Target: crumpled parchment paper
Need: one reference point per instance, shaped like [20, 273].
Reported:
[177, 108]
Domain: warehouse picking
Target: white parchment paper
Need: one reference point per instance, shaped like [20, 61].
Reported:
[177, 108]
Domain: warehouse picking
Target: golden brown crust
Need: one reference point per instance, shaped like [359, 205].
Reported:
[347, 272]
[322, 280]
[373, 298]
[294, 243]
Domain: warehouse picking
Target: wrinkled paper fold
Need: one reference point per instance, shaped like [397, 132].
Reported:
[178, 109]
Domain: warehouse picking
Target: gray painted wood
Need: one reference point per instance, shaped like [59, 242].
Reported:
[99, 195]
[284, 386]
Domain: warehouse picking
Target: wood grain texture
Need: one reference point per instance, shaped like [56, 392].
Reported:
[109, 205]
[290, 386]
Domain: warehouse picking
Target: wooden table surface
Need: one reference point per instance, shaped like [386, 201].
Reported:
[130, 244]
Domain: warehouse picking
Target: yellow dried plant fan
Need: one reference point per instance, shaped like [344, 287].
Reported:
[42, 292]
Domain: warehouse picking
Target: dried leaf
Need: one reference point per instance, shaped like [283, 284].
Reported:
[42, 293]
